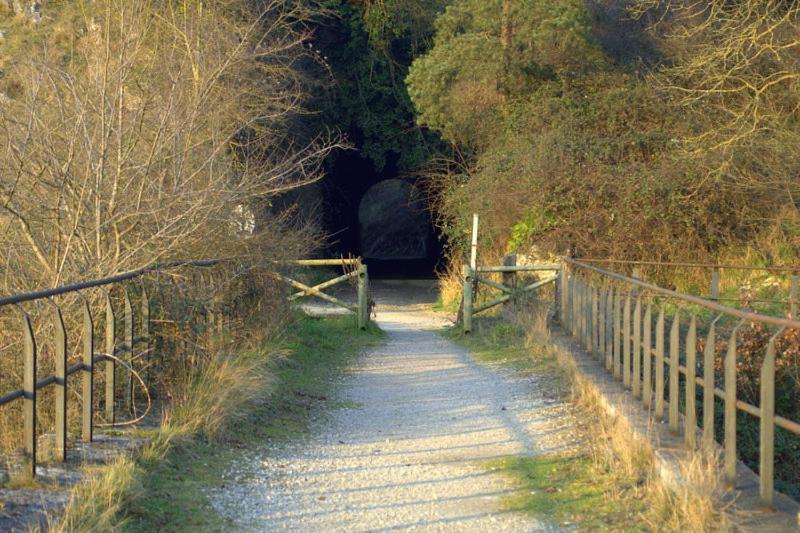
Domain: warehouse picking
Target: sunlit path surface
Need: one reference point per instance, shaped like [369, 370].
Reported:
[408, 449]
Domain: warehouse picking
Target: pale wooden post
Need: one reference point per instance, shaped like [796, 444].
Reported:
[730, 410]
[87, 391]
[659, 411]
[690, 418]
[674, 371]
[128, 391]
[618, 335]
[601, 334]
[767, 421]
[560, 300]
[61, 387]
[587, 316]
[647, 370]
[146, 340]
[595, 322]
[467, 306]
[473, 257]
[715, 284]
[363, 301]
[111, 334]
[609, 353]
[510, 278]
[636, 378]
[626, 339]
[708, 389]
[29, 392]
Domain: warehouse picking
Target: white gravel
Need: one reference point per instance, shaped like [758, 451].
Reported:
[409, 451]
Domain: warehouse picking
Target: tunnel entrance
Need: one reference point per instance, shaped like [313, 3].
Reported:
[393, 222]
[380, 217]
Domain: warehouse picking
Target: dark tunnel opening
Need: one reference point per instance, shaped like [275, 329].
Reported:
[380, 217]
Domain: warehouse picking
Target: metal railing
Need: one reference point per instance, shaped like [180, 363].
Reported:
[611, 315]
[90, 357]
[792, 301]
[118, 350]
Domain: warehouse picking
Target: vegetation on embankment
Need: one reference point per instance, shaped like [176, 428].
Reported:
[236, 402]
[136, 132]
[606, 483]
[632, 129]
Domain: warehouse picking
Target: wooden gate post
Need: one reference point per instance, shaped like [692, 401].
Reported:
[467, 307]
[363, 300]
[510, 279]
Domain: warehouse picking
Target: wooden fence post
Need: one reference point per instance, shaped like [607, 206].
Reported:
[690, 418]
[111, 339]
[730, 410]
[674, 371]
[767, 420]
[29, 392]
[794, 295]
[146, 341]
[467, 307]
[87, 392]
[363, 300]
[708, 388]
[636, 376]
[618, 335]
[647, 354]
[128, 390]
[626, 339]
[510, 278]
[61, 387]
[659, 385]
[715, 284]
[610, 328]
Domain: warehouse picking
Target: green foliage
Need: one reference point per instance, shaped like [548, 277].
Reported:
[369, 49]
[564, 123]
[460, 85]
[533, 222]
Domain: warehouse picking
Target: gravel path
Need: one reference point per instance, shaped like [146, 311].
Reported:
[410, 451]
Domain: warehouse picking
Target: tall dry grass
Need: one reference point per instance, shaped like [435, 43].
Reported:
[695, 502]
[209, 399]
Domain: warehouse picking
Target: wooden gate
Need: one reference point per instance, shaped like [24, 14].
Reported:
[354, 269]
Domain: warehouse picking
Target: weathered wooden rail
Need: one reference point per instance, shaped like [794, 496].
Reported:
[358, 272]
[611, 315]
[473, 277]
[136, 340]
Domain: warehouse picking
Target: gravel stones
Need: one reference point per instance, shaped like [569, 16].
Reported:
[412, 454]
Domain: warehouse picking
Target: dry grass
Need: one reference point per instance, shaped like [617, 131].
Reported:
[694, 503]
[209, 399]
[450, 287]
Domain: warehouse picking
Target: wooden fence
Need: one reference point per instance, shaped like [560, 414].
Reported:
[473, 277]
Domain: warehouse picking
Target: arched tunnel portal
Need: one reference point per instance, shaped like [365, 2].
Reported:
[380, 217]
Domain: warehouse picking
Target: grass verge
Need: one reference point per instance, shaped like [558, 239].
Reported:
[609, 483]
[234, 403]
[570, 488]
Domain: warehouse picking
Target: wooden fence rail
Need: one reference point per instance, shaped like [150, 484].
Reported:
[611, 315]
[473, 277]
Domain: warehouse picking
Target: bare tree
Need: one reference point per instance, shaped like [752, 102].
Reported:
[150, 138]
